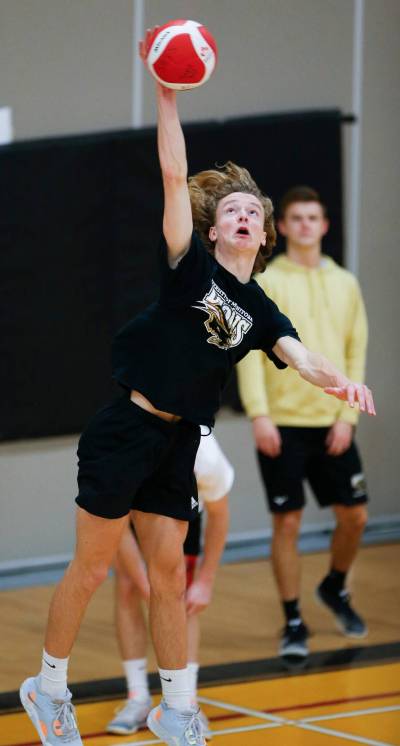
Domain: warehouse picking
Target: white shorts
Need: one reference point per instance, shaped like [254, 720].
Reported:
[214, 473]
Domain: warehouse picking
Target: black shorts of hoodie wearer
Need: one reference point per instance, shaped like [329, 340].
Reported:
[130, 459]
[334, 480]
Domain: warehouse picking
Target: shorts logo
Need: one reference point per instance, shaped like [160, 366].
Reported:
[280, 499]
[227, 323]
[194, 503]
[359, 485]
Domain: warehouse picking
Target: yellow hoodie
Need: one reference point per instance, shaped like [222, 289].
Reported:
[326, 307]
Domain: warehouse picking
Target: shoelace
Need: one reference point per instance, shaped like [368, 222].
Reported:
[194, 732]
[65, 714]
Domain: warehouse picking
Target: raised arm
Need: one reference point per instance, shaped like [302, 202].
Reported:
[319, 371]
[177, 222]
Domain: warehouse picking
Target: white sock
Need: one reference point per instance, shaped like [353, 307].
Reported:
[193, 669]
[53, 676]
[136, 679]
[176, 688]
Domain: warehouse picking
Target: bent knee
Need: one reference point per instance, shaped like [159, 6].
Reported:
[287, 525]
[353, 519]
[168, 580]
[91, 575]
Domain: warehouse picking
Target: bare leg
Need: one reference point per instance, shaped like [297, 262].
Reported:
[285, 556]
[161, 541]
[193, 629]
[347, 535]
[97, 541]
[131, 586]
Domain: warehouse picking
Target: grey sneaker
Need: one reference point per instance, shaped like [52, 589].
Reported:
[205, 724]
[54, 719]
[176, 728]
[130, 717]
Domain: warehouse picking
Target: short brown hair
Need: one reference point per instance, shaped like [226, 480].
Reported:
[300, 194]
[207, 188]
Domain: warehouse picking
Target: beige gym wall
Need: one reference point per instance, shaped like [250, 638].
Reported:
[66, 68]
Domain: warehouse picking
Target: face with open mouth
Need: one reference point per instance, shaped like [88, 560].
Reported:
[239, 223]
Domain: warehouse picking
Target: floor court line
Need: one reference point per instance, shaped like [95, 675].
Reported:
[340, 734]
[225, 732]
[260, 714]
[354, 713]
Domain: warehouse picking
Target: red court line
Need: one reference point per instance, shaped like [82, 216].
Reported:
[235, 715]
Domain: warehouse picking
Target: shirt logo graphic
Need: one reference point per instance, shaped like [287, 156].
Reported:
[227, 323]
[194, 503]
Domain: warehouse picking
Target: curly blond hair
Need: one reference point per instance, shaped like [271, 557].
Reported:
[207, 188]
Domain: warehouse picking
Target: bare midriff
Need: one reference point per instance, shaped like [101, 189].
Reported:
[145, 404]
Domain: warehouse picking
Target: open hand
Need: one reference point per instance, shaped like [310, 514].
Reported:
[352, 393]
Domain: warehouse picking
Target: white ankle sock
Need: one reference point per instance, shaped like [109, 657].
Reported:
[136, 678]
[193, 669]
[53, 676]
[176, 688]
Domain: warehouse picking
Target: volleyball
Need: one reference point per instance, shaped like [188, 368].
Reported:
[182, 55]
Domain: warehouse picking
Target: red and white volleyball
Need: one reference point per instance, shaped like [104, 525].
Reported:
[182, 55]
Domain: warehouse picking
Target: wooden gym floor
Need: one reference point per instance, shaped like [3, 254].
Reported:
[360, 705]
[358, 701]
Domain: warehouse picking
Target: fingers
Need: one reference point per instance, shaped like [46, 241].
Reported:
[144, 44]
[365, 399]
[353, 393]
[369, 401]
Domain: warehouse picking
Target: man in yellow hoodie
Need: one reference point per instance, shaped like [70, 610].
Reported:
[300, 433]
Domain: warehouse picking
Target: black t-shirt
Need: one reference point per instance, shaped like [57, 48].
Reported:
[180, 351]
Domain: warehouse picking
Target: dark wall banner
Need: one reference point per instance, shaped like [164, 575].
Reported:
[80, 221]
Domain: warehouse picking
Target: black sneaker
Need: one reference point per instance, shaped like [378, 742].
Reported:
[348, 621]
[293, 648]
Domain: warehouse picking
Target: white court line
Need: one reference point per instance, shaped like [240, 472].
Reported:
[138, 743]
[243, 710]
[304, 724]
[243, 729]
[227, 731]
[353, 713]
[341, 734]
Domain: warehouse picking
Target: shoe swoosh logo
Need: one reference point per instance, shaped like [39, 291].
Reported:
[49, 664]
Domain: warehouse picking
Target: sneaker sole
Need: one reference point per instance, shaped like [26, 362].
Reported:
[32, 714]
[296, 650]
[339, 624]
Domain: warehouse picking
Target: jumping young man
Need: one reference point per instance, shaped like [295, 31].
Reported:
[137, 454]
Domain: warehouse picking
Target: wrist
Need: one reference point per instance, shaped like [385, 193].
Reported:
[206, 575]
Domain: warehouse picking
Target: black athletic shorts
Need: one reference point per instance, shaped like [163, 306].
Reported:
[131, 459]
[334, 480]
